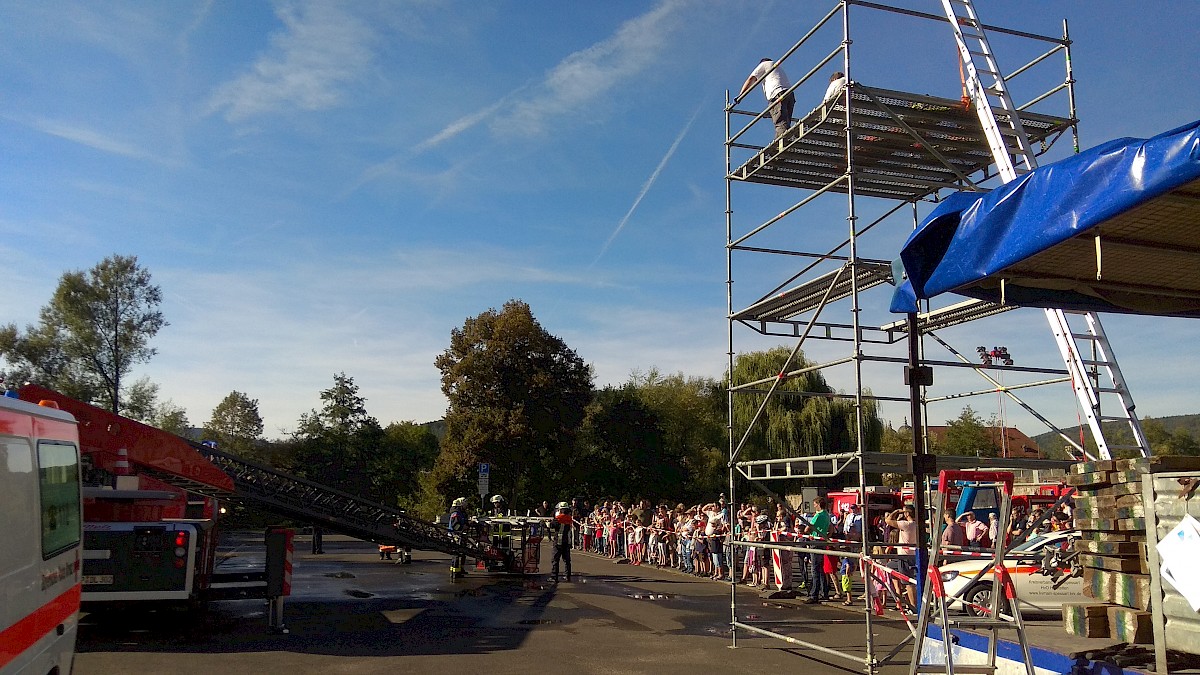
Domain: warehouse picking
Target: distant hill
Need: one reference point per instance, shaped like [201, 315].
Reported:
[1190, 423]
[438, 428]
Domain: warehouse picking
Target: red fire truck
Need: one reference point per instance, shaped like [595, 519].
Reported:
[144, 538]
[150, 511]
[40, 558]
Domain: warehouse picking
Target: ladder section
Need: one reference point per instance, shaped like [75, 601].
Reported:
[973, 44]
[1003, 611]
[1088, 355]
[294, 497]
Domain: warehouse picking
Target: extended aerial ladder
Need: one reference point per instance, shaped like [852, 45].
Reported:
[1007, 140]
[294, 497]
[203, 470]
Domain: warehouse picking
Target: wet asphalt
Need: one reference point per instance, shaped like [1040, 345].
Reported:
[350, 612]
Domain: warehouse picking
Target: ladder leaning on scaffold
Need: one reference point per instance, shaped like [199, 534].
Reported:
[1007, 140]
[1003, 611]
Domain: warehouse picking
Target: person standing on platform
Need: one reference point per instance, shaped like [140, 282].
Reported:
[775, 87]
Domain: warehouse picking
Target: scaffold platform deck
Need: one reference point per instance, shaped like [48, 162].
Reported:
[906, 146]
[808, 295]
[828, 466]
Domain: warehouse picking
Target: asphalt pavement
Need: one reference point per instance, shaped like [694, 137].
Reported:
[353, 613]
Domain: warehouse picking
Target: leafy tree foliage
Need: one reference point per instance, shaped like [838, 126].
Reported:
[803, 417]
[173, 418]
[1164, 442]
[968, 436]
[898, 441]
[237, 426]
[410, 450]
[517, 397]
[97, 326]
[141, 401]
[693, 416]
[622, 450]
[341, 445]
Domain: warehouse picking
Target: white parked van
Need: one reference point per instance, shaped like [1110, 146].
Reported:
[40, 555]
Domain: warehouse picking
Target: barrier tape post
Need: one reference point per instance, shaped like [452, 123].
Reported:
[781, 564]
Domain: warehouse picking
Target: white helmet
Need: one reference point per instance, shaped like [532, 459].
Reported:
[461, 501]
[497, 499]
[562, 506]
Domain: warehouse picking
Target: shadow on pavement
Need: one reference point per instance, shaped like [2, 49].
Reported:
[497, 615]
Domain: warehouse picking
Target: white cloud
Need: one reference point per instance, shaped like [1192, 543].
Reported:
[662, 163]
[310, 64]
[279, 335]
[579, 79]
[95, 140]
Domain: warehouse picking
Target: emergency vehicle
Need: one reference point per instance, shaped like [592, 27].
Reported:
[150, 511]
[40, 558]
[144, 539]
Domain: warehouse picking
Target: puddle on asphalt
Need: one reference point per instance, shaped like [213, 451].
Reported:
[340, 575]
[650, 596]
[473, 592]
[355, 593]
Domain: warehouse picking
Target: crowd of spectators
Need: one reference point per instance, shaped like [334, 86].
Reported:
[697, 539]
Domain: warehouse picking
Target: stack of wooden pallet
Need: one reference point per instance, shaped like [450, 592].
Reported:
[1111, 519]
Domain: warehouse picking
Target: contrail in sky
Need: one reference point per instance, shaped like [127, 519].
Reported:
[649, 183]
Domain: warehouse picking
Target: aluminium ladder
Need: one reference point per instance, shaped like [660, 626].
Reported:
[997, 615]
[1084, 370]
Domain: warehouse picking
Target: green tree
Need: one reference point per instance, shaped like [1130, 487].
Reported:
[97, 326]
[517, 396]
[804, 417]
[237, 426]
[341, 445]
[141, 401]
[171, 417]
[693, 415]
[410, 450]
[968, 436]
[622, 450]
[897, 441]
[1164, 442]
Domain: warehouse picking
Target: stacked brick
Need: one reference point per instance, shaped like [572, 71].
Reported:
[1111, 519]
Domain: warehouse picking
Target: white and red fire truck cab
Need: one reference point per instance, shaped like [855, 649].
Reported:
[40, 555]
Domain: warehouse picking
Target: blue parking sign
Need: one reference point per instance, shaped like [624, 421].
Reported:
[484, 469]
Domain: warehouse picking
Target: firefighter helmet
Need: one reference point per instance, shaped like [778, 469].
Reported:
[562, 506]
[461, 501]
[497, 499]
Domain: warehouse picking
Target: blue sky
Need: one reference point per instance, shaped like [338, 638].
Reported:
[325, 187]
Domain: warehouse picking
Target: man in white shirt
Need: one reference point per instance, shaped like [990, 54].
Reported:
[836, 82]
[775, 87]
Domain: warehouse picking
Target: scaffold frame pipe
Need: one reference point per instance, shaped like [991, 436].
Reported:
[857, 106]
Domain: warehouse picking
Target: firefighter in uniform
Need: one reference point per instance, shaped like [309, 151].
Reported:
[458, 524]
[499, 530]
[561, 529]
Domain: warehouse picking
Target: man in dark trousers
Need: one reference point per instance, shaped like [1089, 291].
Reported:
[561, 530]
[457, 523]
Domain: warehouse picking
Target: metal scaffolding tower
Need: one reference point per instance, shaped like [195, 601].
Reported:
[887, 153]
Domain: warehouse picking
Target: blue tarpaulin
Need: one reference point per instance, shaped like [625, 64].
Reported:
[1115, 228]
